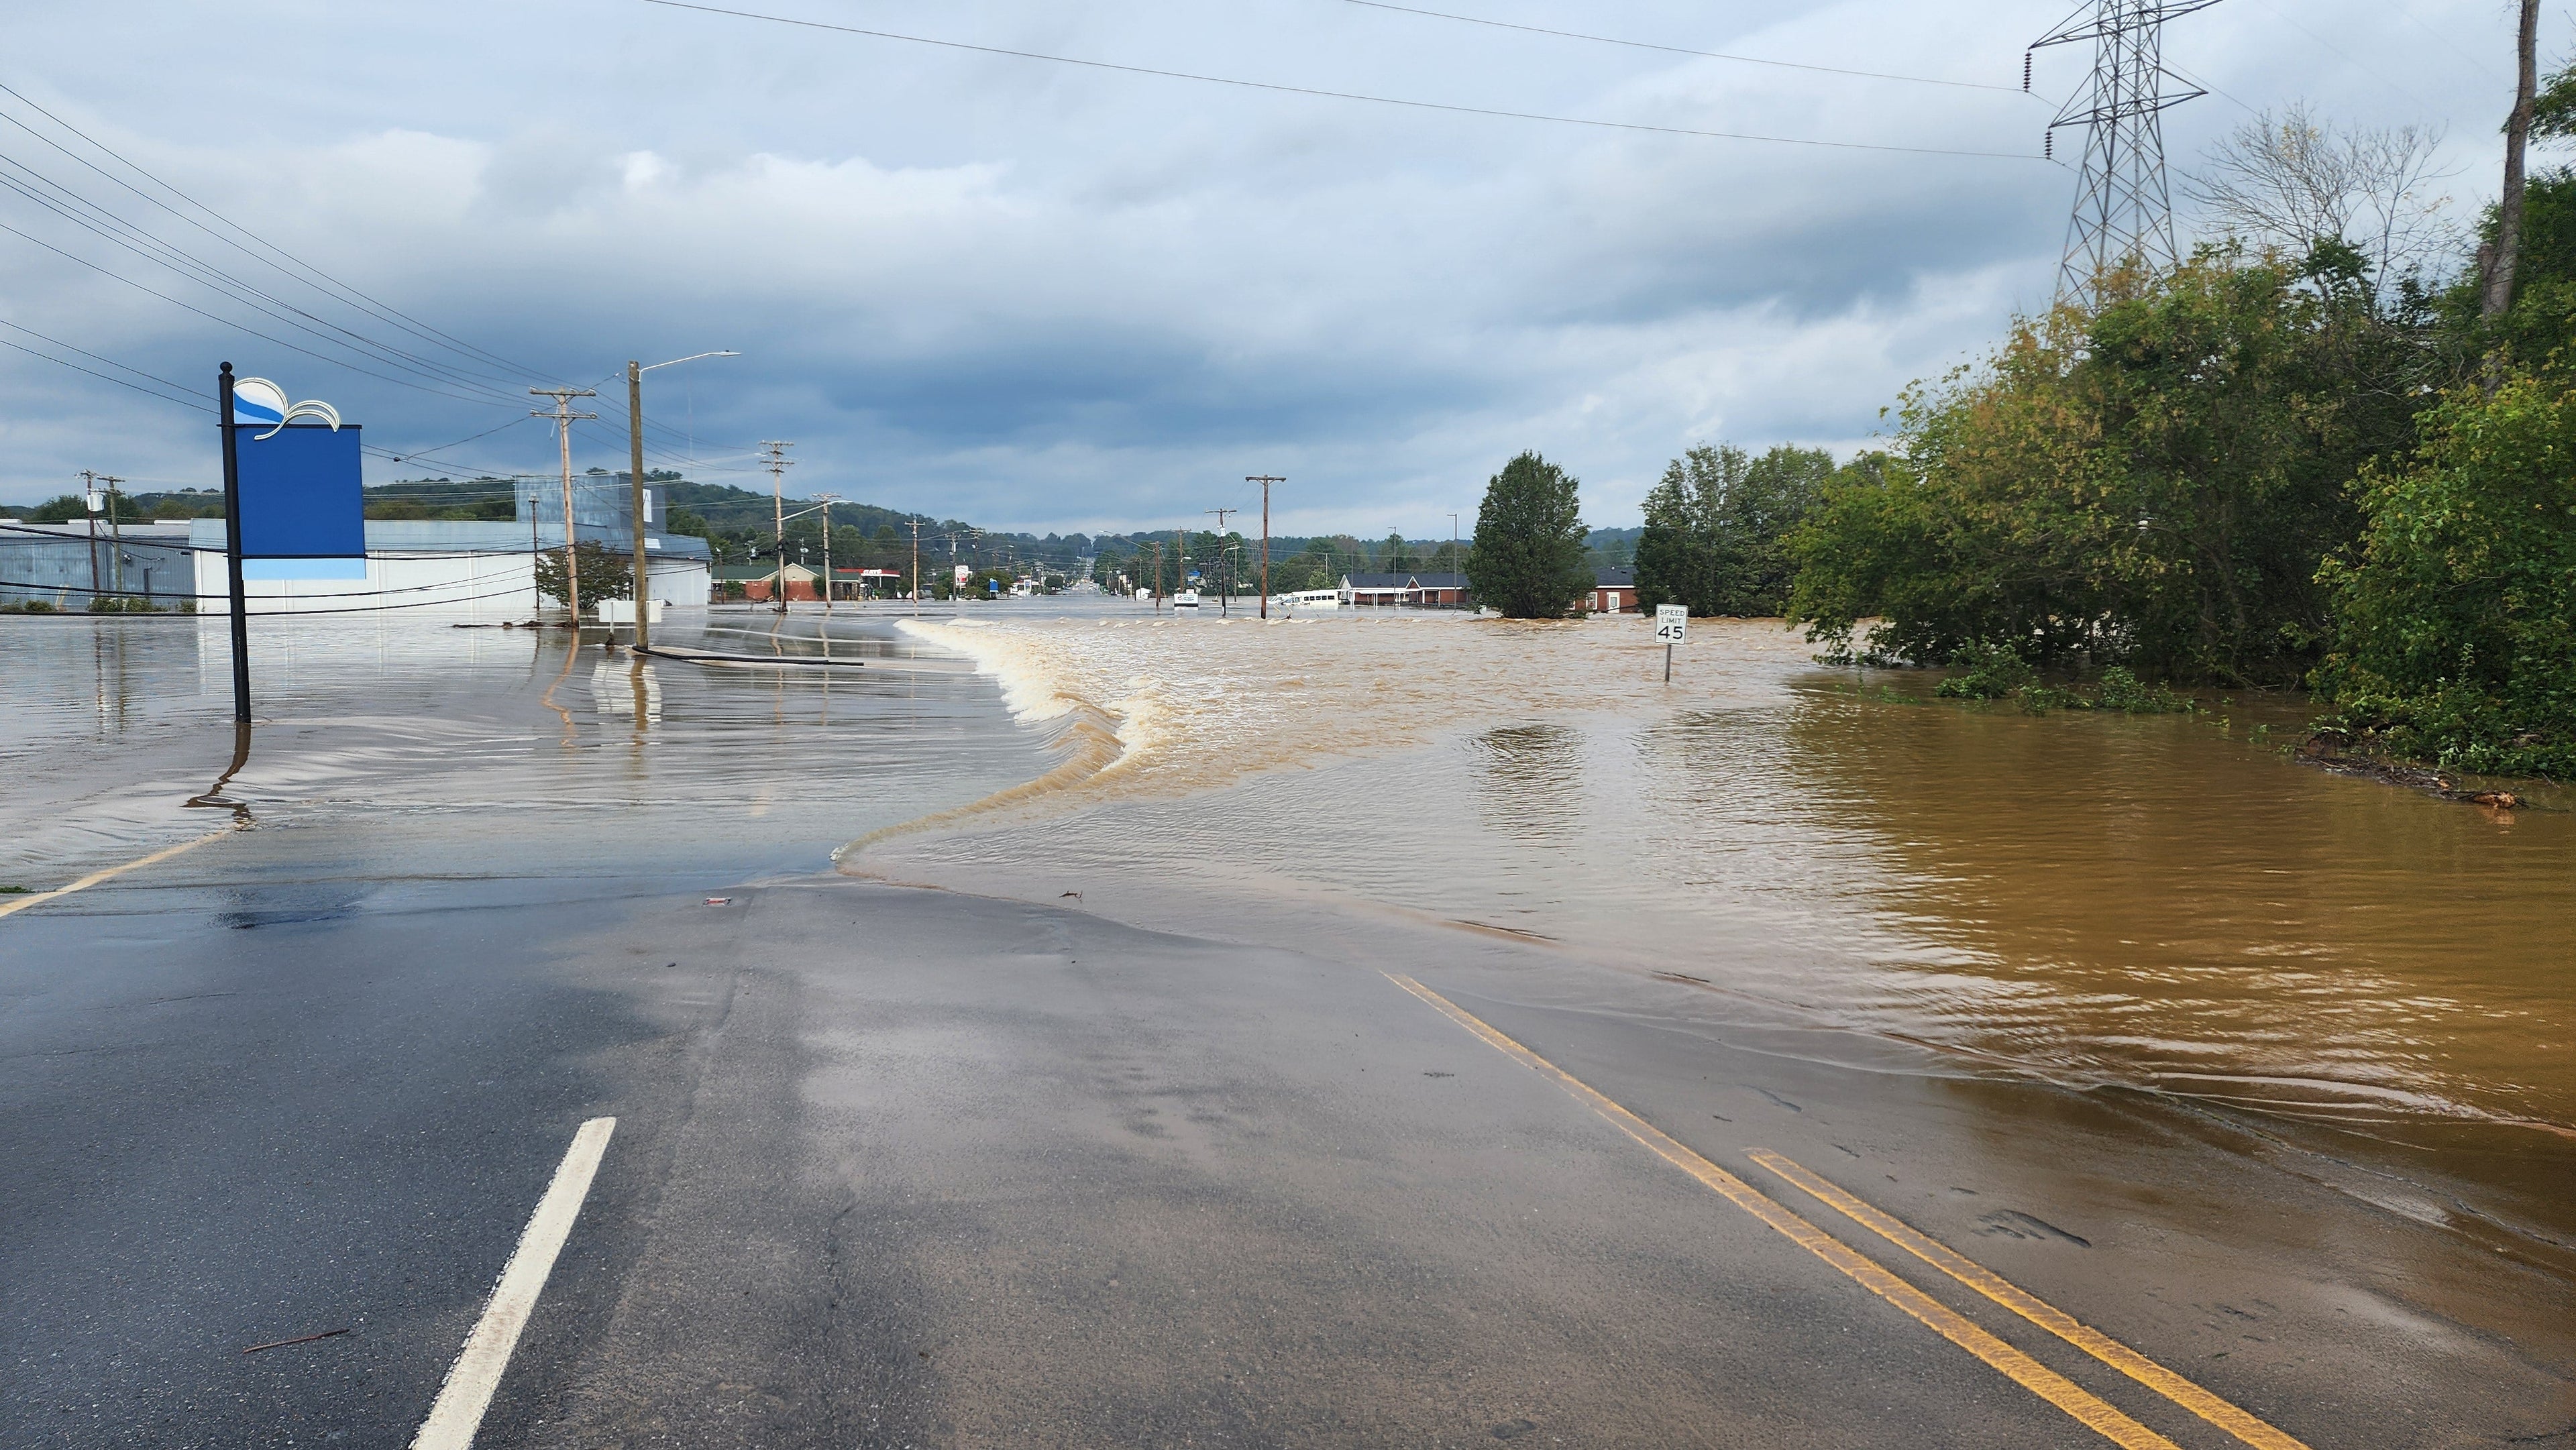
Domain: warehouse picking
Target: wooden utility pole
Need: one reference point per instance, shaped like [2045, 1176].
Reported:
[1265, 480]
[2517, 135]
[635, 484]
[778, 463]
[564, 418]
[1225, 591]
[916, 568]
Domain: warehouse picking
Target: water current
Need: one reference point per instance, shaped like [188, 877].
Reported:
[2167, 904]
[2164, 902]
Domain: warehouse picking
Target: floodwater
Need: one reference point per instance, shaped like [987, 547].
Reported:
[480, 752]
[2168, 904]
[2165, 904]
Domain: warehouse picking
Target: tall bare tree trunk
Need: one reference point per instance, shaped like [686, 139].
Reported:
[2517, 134]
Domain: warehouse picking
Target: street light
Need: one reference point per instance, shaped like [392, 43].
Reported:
[635, 372]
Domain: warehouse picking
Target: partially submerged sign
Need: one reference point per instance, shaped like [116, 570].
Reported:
[1671, 621]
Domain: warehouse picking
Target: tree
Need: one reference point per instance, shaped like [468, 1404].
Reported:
[1717, 525]
[2497, 261]
[2286, 182]
[2153, 483]
[1529, 561]
[685, 523]
[1393, 557]
[2455, 632]
[604, 575]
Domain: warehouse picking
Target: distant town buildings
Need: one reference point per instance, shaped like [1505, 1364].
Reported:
[1421, 591]
[1614, 591]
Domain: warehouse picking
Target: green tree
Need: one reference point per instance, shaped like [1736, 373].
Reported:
[604, 574]
[2455, 635]
[1717, 526]
[685, 523]
[1394, 556]
[1529, 561]
[2155, 482]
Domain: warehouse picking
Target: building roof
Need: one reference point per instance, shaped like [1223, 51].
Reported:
[744, 573]
[1615, 579]
[1405, 581]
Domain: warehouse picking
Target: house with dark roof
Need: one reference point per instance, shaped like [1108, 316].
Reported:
[1421, 591]
[1614, 591]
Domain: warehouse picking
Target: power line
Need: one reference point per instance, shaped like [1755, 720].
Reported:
[1282, 89]
[374, 307]
[1683, 49]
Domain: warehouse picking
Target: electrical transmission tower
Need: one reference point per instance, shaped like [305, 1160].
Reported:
[2123, 209]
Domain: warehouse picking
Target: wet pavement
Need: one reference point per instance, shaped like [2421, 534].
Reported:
[898, 1166]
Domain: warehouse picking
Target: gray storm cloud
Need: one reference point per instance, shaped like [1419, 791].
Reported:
[1039, 296]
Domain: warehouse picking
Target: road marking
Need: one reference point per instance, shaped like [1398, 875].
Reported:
[477, 1371]
[2047, 1316]
[21, 903]
[2014, 1365]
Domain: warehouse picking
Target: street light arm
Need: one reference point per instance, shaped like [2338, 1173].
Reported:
[693, 357]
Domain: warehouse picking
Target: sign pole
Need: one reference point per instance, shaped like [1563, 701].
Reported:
[1672, 625]
[233, 545]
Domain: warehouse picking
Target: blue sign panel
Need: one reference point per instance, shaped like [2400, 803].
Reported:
[301, 495]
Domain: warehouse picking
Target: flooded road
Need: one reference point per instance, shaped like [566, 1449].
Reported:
[1166, 1123]
[483, 751]
[2166, 904]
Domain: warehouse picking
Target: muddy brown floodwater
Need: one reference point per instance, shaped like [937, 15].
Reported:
[2167, 904]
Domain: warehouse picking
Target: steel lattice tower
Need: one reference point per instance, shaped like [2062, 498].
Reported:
[2123, 209]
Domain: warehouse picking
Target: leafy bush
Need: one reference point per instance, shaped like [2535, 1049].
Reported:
[1986, 672]
[2122, 690]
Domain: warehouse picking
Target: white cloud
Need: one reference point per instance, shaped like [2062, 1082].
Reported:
[1048, 297]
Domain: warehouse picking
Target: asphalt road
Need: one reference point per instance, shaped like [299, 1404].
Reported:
[899, 1167]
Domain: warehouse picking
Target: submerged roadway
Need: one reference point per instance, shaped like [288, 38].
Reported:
[896, 1167]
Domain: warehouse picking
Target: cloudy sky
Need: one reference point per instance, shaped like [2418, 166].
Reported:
[1045, 296]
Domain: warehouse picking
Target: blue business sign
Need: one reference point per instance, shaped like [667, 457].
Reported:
[303, 503]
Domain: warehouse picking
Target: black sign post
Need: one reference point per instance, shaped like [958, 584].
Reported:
[233, 546]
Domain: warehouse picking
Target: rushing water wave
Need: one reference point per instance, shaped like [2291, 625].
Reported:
[2167, 904]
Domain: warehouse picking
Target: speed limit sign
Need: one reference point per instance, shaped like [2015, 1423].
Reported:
[1670, 621]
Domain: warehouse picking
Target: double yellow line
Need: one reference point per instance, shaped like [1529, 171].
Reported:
[2014, 1365]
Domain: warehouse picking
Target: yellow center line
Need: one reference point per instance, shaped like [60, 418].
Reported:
[21, 903]
[2014, 1365]
[2047, 1316]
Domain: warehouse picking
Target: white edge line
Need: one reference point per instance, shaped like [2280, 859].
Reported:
[477, 1371]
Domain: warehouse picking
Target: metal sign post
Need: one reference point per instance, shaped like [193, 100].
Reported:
[1672, 621]
[233, 545]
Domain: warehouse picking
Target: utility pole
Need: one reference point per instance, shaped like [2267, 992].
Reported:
[1265, 480]
[916, 568]
[90, 505]
[1158, 576]
[564, 418]
[635, 480]
[116, 539]
[778, 463]
[828, 500]
[2123, 210]
[1225, 595]
[635, 371]
[1457, 561]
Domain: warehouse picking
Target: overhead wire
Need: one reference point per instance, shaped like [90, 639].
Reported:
[106, 223]
[1683, 49]
[382, 311]
[1281, 88]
